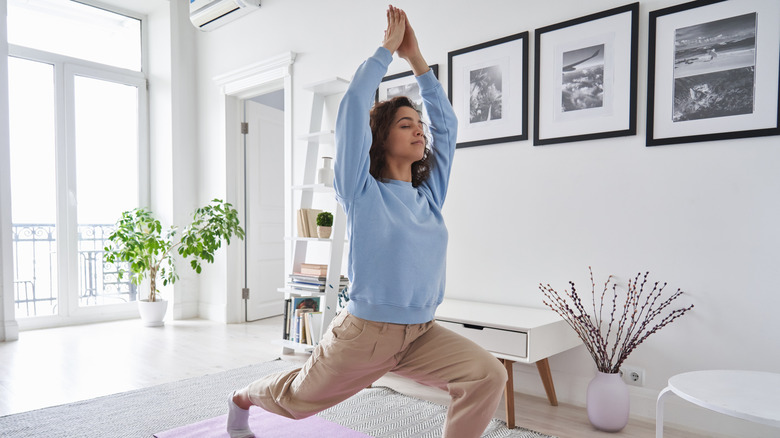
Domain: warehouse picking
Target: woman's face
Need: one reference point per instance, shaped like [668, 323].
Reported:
[406, 140]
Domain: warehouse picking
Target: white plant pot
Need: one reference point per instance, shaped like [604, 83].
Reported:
[323, 232]
[152, 312]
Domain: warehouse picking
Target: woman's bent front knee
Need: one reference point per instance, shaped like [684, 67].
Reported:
[497, 375]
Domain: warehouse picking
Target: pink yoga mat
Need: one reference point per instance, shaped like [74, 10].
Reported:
[265, 424]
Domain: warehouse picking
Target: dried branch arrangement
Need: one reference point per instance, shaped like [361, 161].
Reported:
[610, 341]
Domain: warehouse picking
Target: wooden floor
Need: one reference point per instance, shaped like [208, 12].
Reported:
[64, 365]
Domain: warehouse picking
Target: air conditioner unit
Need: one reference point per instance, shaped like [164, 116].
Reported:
[211, 14]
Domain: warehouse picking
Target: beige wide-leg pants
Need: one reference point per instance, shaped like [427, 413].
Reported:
[355, 352]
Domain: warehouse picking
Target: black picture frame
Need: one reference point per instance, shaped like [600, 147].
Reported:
[404, 84]
[708, 78]
[498, 113]
[585, 77]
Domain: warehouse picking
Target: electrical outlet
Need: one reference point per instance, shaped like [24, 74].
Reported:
[633, 375]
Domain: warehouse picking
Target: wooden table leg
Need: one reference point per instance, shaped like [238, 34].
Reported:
[544, 372]
[509, 394]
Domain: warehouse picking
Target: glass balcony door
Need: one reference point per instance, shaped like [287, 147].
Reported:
[33, 187]
[77, 154]
[106, 131]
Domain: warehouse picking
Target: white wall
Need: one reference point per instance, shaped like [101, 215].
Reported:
[172, 137]
[160, 118]
[184, 172]
[699, 216]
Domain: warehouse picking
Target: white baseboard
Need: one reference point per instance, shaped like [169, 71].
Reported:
[187, 310]
[213, 312]
[10, 331]
[218, 312]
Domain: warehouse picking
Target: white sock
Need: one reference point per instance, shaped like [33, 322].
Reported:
[238, 420]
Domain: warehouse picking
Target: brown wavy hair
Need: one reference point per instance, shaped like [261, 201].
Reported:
[382, 116]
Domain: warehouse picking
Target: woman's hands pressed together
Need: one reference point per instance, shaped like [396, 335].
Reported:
[400, 37]
[396, 27]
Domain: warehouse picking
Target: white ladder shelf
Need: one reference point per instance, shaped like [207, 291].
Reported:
[308, 188]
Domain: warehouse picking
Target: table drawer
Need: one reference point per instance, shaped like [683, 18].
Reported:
[493, 340]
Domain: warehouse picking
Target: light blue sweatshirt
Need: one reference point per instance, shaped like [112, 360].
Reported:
[397, 237]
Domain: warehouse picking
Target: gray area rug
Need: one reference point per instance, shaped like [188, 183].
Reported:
[379, 412]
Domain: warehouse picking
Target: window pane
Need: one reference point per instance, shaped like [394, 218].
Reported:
[107, 175]
[77, 30]
[33, 199]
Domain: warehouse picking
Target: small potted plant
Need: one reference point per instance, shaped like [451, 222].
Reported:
[324, 224]
[139, 242]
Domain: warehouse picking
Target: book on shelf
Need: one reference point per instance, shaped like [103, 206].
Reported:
[299, 278]
[312, 303]
[315, 322]
[313, 325]
[303, 287]
[298, 330]
[307, 279]
[286, 324]
[313, 269]
[288, 319]
[307, 222]
[300, 221]
[307, 327]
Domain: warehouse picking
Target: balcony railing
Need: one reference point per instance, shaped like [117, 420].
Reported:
[35, 269]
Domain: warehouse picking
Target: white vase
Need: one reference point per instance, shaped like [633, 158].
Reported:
[152, 312]
[325, 174]
[608, 402]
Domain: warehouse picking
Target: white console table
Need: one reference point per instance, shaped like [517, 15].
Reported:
[512, 334]
[750, 395]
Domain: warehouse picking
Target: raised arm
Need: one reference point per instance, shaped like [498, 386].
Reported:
[444, 130]
[353, 131]
[444, 124]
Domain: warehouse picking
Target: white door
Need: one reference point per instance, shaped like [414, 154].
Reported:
[265, 210]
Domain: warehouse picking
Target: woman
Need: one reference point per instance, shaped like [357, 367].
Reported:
[392, 189]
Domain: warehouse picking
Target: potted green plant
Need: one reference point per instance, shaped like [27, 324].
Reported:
[324, 224]
[138, 245]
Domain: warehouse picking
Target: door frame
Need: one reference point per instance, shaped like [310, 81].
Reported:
[263, 77]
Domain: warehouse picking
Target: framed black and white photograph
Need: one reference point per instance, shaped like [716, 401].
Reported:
[488, 89]
[403, 84]
[585, 77]
[713, 71]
